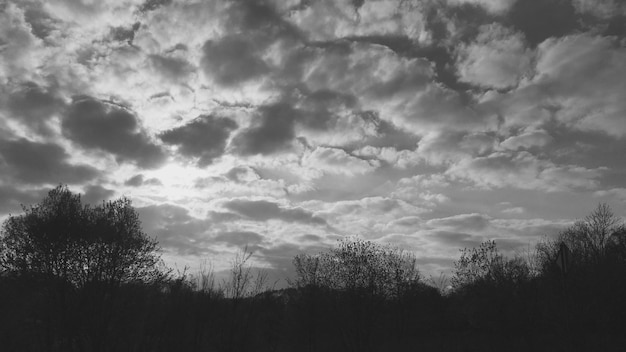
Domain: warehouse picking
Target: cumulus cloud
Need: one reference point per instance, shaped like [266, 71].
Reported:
[336, 161]
[497, 59]
[543, 19]
[96, 194]
[524, 171]
[604, 9]
[98, 125]
[139, 180]
[584, 73]
[12, 198]
[25, 161]
[175, 229]
[33, 105]
[232, 60]
[272, 130]
[240, 239]
[528, 139]
[494, 6]
[204, 138]
[261, 210]
[174, 69]
[345, 117]
[456, 239]
[461, 222]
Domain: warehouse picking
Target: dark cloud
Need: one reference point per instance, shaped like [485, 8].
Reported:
[11, 198]
[94, 124]
[140, 180]
[174, 69]
[315, 108]
[232, 60]
[260, 18]
[134, 181]
[616, 26]
[263, 210]
[34, 162]
[151, 5]
[34, 106]
[96, 194]
[240, 239]
[125, 34]
[387, 134]
[41, 23]
[203, 138]
[175, 229]
[272, 130]
[542, 19]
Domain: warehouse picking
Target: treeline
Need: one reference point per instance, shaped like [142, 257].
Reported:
[75, 277]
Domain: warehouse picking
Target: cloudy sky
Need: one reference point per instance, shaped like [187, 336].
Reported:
[286, 125]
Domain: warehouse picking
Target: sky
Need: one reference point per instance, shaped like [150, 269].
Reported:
[287, 125]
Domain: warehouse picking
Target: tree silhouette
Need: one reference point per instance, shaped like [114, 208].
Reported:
[359, 265]
[593, 240]
[62, 238]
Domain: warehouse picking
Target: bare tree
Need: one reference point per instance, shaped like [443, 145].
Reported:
[243, 281]
[356, 264]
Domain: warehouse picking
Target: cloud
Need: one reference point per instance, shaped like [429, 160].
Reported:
[25, 161]
[12, 198]
[582, 74]
[232, 60]
[94, 124]
[396, 158]
[337, 161]
[272, 130]
[261, 210]
[173, 69]
[543, 19]
[526, 140]
[497, 59]
[242, 174]
[368, 215]
[462, 222]
[151, 5]
[139, 180]
[522, 170]
[203, 138]
[96, 194]
[175, 229]
[240, 238]
[498, 7]
[33, 105]
[20, 50]
[605, 9]
[456, 239]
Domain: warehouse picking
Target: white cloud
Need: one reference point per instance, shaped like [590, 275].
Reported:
[497, 59]
[337, 161]
[376, 17]
[582, 75]
[527, 139]
[522, 170]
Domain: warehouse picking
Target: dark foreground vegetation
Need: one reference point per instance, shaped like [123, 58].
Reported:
[81, 278]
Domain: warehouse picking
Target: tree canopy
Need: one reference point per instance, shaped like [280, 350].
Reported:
[359, 265]
[63, 238]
